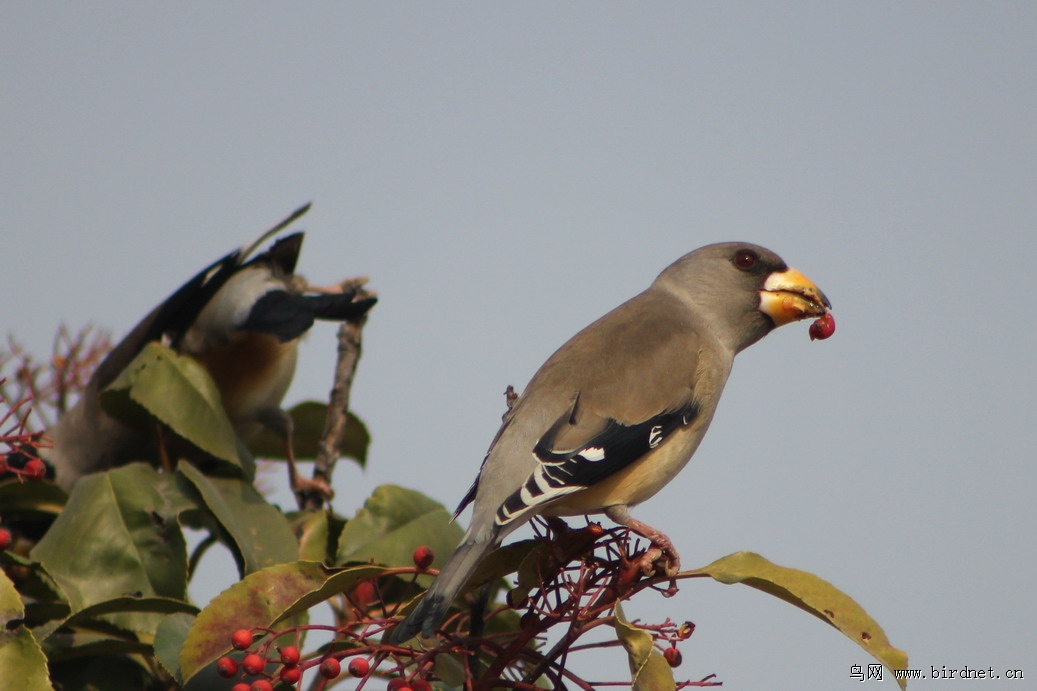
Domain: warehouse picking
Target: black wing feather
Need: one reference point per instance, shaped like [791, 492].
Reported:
[288, 316]
[562, 472]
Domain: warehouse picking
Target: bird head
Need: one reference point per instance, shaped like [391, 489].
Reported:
[743, 291]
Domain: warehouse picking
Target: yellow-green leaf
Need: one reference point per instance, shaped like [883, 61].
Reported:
[262, 599]
[23, 665]
[811, 594]
[649, 670]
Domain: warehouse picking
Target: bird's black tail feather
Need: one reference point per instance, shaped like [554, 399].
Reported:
[433, 608]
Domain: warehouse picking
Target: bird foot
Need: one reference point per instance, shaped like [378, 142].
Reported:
[661, 560]
[349, 285]
[302, 486]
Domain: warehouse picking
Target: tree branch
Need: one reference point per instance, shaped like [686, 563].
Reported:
[350, 340]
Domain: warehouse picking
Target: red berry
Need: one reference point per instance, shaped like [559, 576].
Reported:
[423, 557]
[673, 657]
[359, 667]
[241, 639]
[241, 686]
[420, 685]
[253, 663]
[3, 465]
[226, 667]
[398, 684]
[330, 668]
[364, 593]
[34, 470]
[823, 327]
[5, 539]
[291, 675]
[595, 530]
[261, 685]
[290, 656]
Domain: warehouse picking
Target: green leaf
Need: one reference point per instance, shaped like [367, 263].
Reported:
[313, 531]
[263, 599]
[177, 390]
[522, 558]
[258, 533]
[308, 427]
[393, 522]
[77, 644]
[155, 605]
[649, 670]
[12, 609]
[451, 670]
[169, 641]
[101, 673]
[505, 560]
[23, 665]
[811, 594]
[117, 537]
[29, 498]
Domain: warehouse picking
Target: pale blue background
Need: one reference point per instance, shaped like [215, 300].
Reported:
[505, 173]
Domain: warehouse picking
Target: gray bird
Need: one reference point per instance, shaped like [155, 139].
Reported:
[242, 318]
[617, 412]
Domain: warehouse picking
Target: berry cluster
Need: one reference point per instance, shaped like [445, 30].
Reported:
[581, 574]
[26, 469]
[255, 658]
[288, 664]
[22, 459]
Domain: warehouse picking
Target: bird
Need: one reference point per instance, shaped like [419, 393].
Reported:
[241, 317]
[615, 413]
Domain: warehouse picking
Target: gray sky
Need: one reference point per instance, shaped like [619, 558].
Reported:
[506, 173]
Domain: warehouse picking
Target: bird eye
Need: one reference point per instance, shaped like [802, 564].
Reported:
[745, 259]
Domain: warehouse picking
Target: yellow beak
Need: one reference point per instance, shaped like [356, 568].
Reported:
[789, 296]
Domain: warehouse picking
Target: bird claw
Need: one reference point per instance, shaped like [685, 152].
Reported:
[663, 561]
[302, 486]
[349, 285]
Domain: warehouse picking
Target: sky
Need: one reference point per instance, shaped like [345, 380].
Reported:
[507, 172]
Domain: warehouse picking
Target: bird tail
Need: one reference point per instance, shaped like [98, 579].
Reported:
[433, 608]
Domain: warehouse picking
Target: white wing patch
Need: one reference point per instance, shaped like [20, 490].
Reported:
[655, 435]
[538, 489]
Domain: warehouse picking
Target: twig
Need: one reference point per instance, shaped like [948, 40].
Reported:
[349, 349]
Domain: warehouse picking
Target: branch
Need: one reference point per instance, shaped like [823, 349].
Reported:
[349, 349]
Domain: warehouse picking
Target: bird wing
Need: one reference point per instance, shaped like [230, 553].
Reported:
[176, 313]
[563, 468]
[618, 390]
